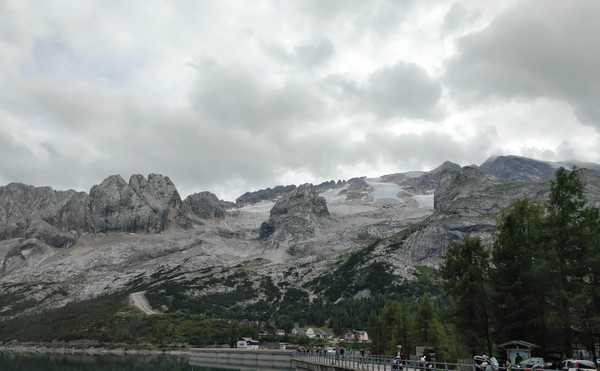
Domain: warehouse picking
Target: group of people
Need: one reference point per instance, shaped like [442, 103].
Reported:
[427, 362]
[338, 352]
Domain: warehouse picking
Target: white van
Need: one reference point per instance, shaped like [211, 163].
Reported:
[248, 344]
[577, 365]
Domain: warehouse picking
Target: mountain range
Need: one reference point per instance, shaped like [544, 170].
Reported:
[333, 241]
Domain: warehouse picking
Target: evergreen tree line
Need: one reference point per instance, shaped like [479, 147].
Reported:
[540, 282]
[414, 322]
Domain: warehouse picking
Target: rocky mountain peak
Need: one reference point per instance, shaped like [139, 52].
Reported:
[447, 166]
[518, 168]
[430, 181]
[144, 204]
[204, 205]
[22, 207]
[305, 200]
[114, 181]
[296, 214]
[160, 194]
[453, 184]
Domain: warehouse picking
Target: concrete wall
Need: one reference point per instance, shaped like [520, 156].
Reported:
[242, 359]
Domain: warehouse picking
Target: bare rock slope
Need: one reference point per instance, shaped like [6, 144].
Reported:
[332, 241]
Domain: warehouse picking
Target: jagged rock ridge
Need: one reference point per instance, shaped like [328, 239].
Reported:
[57, 218]
[334, 240]
[148, 205]
[270, 194]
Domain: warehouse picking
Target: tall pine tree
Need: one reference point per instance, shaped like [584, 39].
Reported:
[465, 270]
[519, 275]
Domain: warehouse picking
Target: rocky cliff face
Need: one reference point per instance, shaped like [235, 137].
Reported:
[40, 211]
[147, 205]
[296, 215]
[430, 181]
[204, 205]
[160, 194]
[58, 217]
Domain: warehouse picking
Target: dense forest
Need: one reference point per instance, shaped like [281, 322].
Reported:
[538, 281]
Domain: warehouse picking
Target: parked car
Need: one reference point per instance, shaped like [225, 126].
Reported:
[577, 365]
[552, 361]
[247, 343]
[533, 363]
[485, 363]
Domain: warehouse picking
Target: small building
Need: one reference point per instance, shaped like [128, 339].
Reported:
[322, 334]
[356, 335]
[349, 336]
[311, 333]
[280, 332]
[361, 336]
[517, 349]
[298, 331]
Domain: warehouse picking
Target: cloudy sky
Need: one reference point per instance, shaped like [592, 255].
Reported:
[230, 96]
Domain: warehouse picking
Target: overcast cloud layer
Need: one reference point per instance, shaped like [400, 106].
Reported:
[230, 96]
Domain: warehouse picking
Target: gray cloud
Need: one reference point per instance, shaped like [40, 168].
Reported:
[308, 54]
[397, 152]
[403, 90]
[314, 53]
[330, 90]
[378, 18]
[238, 127]
[535, 49]
[457, 17]
[235, 96]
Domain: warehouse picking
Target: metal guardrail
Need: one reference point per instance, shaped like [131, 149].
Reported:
[355, 361]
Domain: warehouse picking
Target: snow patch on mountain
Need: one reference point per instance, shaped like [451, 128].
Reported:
[384, 191]
[338, 205]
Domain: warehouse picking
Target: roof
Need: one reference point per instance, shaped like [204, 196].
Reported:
[518, 343]
[321, 332]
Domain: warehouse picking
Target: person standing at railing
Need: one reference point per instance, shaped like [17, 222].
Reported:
[518, 359]
[397, 363]
[404, 360]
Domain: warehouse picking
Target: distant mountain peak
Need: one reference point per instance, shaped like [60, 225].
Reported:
[511, 167]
